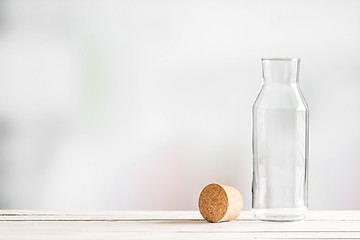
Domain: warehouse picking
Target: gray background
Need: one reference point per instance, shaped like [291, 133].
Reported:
[120, 105]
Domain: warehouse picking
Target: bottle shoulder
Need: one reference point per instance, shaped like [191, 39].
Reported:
[283, 96]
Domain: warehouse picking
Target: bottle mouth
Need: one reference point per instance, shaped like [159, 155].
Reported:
[280, 70]
[280, 59]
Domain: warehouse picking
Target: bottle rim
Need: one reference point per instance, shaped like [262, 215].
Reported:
[280, 59]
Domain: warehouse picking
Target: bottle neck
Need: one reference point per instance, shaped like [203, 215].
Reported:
[280, 70]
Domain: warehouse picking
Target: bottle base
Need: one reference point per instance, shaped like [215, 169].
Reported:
[279, 214]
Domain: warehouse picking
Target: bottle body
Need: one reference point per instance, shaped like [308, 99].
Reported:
[280, 144]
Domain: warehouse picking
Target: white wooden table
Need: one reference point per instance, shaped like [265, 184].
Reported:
[16, 224]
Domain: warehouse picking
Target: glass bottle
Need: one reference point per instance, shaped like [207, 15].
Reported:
[280, 144]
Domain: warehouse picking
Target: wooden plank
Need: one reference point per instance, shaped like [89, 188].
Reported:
[97, 216]
[177, 236]
[12, 215]
[181, 226]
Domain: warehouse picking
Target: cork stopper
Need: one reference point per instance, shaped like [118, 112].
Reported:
[219, 203]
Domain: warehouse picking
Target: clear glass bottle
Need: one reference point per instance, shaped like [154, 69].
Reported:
[280, 144]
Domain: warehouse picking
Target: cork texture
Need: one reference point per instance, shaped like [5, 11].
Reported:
[219, 203]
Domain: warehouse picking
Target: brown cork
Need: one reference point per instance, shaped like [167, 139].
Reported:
[219, 203]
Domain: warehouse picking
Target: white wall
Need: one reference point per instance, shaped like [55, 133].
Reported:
[119, 105]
